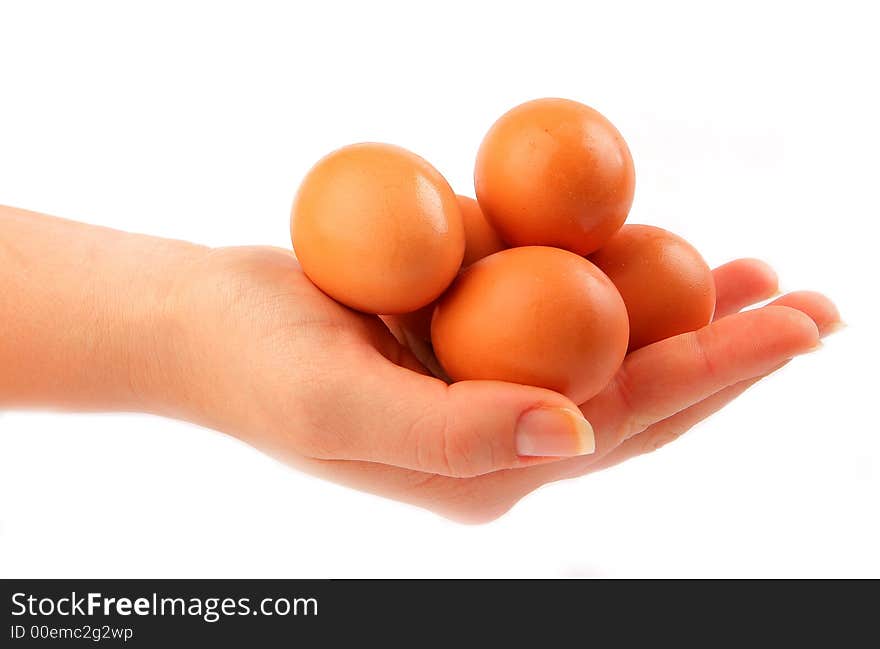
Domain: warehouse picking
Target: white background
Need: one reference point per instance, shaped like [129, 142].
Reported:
[754, 132]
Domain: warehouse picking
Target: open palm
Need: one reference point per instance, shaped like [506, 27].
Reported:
[334, 393]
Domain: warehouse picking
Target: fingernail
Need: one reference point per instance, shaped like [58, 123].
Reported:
[554, 432]
[834, 327]
[819, 345]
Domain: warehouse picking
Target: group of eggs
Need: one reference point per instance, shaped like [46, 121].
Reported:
[538, 281]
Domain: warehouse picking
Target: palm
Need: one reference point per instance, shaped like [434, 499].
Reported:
[660, 392]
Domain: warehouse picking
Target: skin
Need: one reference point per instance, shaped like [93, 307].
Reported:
[239, 340]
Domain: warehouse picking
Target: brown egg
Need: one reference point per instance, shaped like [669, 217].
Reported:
[667, 286]
[481, 240]
[534, 315]
[555, 172]
[377, 228]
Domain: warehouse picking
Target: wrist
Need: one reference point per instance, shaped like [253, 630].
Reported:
[156, 323]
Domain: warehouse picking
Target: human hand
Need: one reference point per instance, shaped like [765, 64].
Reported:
[253, 349]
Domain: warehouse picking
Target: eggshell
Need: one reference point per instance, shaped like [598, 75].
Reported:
[555, 172]
[481, 240]
[533, 315]
[377, 228]
[667, 286]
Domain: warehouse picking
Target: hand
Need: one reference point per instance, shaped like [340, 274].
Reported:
[253, 349]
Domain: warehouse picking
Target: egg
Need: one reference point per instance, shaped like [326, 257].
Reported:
[534, 315]
[377, 228]
[667, 286]
[555, 172]
[481, 240]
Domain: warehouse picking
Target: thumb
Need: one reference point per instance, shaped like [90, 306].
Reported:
[399, 417]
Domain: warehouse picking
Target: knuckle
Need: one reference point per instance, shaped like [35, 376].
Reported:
[441, 446]
[658, 440]
[428, 433]
[633, 425]
[623, 389]
[703, 346]
[632, 421]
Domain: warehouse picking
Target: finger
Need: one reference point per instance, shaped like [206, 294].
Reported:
[390, 342]
[483, 498]
[822, 310]
[409, 360]
[422, 349]
[413, 331]
[671, 428]
[488, 496]
[417, 324]
[738, 284]
[662, 379]
[395, 327]
[741, 283]
[393, 416]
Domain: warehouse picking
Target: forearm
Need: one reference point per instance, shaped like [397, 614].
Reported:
[83, 312]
